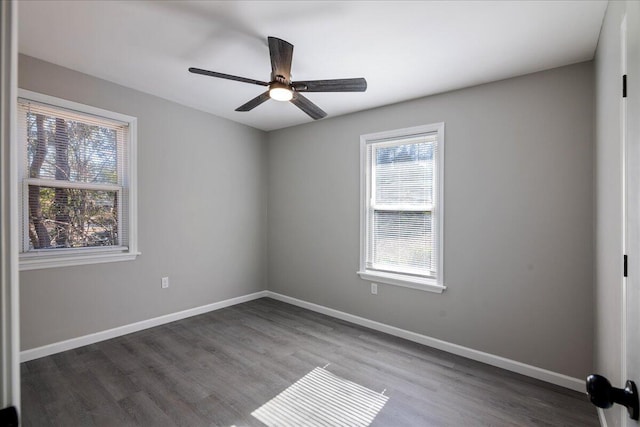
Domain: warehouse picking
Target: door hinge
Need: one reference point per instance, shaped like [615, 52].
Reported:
[624, 86]
[625, 266]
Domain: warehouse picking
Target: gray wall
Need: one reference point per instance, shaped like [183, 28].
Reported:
[609, 198]
[202, 213]
[518, 218]
[518, 224]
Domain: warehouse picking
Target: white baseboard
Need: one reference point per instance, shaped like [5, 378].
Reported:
[490, 359]
[601, 417]
[47, 350]
[480, 356]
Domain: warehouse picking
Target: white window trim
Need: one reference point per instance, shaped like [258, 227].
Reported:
[425, 284]
[34, 260]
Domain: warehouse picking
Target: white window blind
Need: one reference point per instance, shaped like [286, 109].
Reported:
[402, 203]
[76, 180]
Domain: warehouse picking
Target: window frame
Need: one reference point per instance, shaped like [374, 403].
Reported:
[431, 284]
[64, 257]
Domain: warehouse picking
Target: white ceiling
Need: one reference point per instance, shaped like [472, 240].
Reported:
[405, 50]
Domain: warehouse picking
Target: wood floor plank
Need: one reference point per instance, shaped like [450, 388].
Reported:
[217, 368]
[144, 412]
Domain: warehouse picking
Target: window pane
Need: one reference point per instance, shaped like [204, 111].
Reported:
[403, 241]
[404, 174]
[72, 218]
[70, 150]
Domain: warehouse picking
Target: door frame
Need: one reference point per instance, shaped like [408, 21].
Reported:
[9, 223]
[630, 123]
[625, 249]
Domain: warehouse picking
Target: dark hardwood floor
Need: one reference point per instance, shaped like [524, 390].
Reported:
[217, 368]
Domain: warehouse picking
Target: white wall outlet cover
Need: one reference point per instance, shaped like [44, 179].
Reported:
[165, 282]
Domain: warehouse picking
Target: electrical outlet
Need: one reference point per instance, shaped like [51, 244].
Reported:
[374, 288]
[165, 282]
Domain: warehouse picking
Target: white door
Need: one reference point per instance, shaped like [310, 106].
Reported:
[9, 346]
[631, 129]
[599, 388]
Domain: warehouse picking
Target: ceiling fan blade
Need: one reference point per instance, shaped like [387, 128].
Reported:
[336, 85]
[281, 53]
[254, 102]
[226, 76]
[307, 106]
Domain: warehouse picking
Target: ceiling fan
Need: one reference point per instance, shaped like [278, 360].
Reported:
[281, 88]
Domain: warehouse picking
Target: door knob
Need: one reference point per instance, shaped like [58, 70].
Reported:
[9, 417]
[603, 395]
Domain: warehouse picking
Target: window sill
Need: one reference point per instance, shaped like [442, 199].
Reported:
[429, 285]
[35, 261]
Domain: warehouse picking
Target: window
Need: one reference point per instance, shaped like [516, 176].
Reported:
[401, 207]
[78, 190]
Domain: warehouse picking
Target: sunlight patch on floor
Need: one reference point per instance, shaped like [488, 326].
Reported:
[321, 398]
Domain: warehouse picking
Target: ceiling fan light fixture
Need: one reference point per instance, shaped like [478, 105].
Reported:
[280, 92]
[281, 88]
